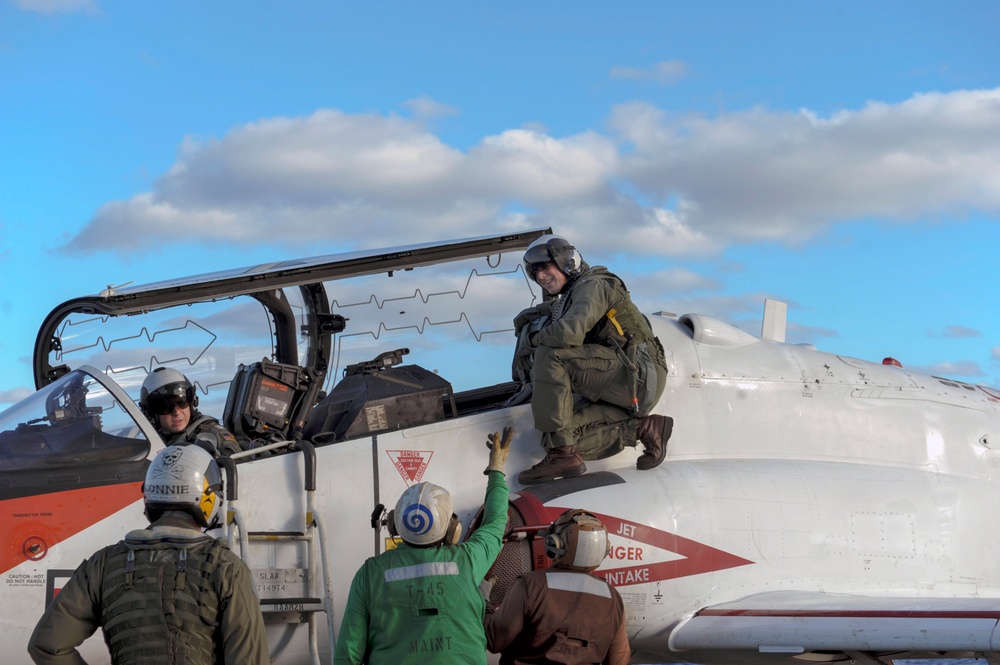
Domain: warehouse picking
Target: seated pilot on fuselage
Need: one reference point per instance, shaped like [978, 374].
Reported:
[594, 366]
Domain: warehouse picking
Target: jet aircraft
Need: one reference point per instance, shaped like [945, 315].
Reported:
[812, 507]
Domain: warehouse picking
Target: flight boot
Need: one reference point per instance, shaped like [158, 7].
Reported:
[653, 432]
[562, 462]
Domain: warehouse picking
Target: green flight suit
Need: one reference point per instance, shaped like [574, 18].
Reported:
[413, 606]
[584, 392]
[207, 430]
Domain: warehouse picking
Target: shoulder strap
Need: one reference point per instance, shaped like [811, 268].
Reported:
[200, 424]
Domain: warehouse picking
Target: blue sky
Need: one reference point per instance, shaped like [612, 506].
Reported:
[840, 156]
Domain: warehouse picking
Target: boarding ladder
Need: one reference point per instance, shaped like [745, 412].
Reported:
[288, 609]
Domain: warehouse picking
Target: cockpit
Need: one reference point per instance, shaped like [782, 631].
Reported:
[318, 349]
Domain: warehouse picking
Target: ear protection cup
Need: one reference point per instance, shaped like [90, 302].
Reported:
[390, 523]
[454, 531]
[554, 545]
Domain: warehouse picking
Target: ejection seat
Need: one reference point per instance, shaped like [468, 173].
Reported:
[380, 395]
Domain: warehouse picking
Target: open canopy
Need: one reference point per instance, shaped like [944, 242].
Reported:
[272, 285]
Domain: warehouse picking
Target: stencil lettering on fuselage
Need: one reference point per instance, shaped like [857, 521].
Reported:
[411, 464]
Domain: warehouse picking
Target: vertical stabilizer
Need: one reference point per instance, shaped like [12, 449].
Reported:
[775, 315]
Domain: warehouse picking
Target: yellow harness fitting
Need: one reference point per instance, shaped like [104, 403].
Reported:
[614, 321]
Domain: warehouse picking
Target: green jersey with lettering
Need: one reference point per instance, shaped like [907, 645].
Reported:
[422, 605]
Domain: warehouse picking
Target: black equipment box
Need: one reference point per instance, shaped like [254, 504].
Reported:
[264, 398]
[375, 397]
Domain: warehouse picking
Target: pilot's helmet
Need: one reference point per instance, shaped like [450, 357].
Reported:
[555, 249]
[184, 478]
[424, 516]
[163, 389]
[577, 540]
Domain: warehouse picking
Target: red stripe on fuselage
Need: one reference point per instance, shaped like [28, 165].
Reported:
[32, 525]
[848, 613]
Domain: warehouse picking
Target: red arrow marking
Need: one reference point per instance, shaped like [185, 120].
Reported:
[698, 557]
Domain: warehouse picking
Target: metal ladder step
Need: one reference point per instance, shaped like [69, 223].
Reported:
[290, 610]
[295, 608]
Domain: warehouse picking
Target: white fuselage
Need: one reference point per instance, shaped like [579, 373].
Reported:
[787, 470]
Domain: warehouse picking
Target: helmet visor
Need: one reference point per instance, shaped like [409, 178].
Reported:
[535, 268]
[162, 405]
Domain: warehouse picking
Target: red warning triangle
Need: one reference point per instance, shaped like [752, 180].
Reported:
[411, 464]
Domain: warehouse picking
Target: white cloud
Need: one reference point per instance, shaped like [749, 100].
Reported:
[956, 332]
[669, 71]
[659, 185]
[966, 369]
[682, 280]
[14, 395]
[425, 109]
[759, 175]
[56, 6]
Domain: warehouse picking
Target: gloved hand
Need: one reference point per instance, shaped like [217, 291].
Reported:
[524, 317]
[486, 587]
[499, 445]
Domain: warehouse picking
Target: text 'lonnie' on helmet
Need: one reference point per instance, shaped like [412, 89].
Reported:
[162, 389]
[184, 478]
[553, 249]
[577, 540]
[423, 516]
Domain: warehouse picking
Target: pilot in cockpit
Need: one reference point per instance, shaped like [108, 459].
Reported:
[169, 400]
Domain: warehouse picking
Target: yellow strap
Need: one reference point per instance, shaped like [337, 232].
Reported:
[614, 321]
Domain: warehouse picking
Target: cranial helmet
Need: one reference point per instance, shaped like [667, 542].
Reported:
[557, 250]
[184, 478]
[577, 540]
[423, 516]
[164, 387]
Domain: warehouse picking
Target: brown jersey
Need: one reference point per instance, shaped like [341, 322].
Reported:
[559, 616]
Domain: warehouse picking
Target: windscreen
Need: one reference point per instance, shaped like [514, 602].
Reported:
[70, 422]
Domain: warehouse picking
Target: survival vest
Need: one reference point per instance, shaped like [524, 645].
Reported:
[159, 599]
[622, 325]
[207, 429]
[624, 328]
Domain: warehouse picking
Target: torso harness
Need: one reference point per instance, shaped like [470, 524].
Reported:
[159, 602]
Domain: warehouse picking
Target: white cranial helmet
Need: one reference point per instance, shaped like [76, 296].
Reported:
[184, 478]
[424, 516]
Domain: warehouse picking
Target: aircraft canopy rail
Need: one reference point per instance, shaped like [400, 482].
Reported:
[261, 282]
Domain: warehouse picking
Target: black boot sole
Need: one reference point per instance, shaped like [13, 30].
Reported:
[569, 473]
[642, 464]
